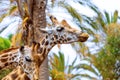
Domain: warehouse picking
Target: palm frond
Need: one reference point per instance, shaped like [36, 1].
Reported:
[107, 17]
[94, 8]
[62, 61]
[3, 16]
[12, 10]
[88, 76]
[115, 17]
[71, 67]
[87, 67]
[90, 21]
[73, 12]
[58, 62]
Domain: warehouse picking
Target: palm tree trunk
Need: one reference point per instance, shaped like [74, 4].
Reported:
[38, 16]
[39, 21]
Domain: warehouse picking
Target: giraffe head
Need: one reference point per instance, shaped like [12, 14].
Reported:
[29, 62]
[25, 58]
[62, 33]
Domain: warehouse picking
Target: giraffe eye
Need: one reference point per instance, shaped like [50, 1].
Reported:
[28, 59]
[60, 28]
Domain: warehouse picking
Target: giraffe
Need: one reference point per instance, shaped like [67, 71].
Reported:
[25, 58]
[61, 33]
[58, 35]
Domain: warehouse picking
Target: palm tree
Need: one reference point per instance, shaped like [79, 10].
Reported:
[29, 12]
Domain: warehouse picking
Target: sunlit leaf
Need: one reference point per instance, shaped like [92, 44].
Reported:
[2, 17]
[12, 9]
[115, 16]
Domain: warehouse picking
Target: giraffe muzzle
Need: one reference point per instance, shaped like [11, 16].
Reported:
[83, 37]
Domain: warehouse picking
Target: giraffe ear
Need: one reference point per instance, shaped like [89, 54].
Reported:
[49, 31]
[65, 24]
[54, 20]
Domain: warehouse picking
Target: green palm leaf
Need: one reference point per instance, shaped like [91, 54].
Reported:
[107, 17]
[73, 12]
[71, 67]
[115, 17]
[58, 62]
[87, 67]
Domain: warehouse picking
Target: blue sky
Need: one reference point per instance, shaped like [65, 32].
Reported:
[108, 5]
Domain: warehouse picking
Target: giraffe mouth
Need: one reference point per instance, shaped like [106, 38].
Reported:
[83, 37]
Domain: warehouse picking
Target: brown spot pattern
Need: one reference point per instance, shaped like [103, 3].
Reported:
[5, 55]
[43, 41]
[26, 78]
[55, 36]
[4, 59]
[6, 64]
[46, 43]
[8, 50]
[40, 50]
[14, 76]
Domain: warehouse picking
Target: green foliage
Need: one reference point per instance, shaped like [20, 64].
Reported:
[4, 43]
[113, 41]
[58, 62]
[59, 70]
[4, 73]
[106, 58]
[57, 67]
[10, 37]
[73, 12]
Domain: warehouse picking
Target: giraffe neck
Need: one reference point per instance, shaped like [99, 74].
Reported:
[48, 42]
[43, 48]
[16, 74]
[8, 57]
